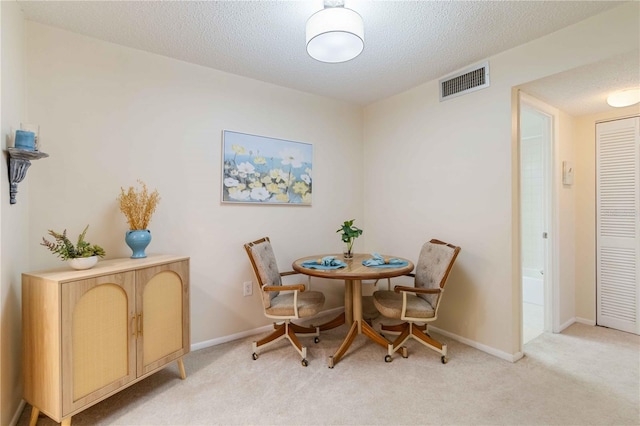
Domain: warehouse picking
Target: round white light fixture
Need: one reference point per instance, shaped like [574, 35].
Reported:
[335, 34]
[624, 98]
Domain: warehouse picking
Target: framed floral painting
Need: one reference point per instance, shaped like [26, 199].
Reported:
[263, 170]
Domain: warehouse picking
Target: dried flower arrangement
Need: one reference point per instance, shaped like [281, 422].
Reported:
[65, 249]
[138, 206]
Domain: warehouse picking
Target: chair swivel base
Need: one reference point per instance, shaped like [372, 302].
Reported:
[408, 331]
[287, 330]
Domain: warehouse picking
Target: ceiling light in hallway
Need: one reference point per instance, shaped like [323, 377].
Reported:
[335, 34]
[624, 98]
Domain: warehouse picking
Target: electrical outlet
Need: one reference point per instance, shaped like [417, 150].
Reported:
[247, 288]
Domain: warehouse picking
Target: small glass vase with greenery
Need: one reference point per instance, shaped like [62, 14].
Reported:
[349, 234]
[62, 247]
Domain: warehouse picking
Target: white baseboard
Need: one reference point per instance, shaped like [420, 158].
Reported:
[18, 413]
[230, 338]
[585, 321]
[566, 324]
[247, 333]
[484, 348]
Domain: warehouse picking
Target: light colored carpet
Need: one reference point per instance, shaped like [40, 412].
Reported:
[583, 376]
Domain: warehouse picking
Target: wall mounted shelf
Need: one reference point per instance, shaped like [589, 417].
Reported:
[19, 162]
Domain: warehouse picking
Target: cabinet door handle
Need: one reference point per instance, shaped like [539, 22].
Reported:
[134, 326]
[139, 325]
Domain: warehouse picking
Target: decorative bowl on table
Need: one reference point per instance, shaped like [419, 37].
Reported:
[80, 263]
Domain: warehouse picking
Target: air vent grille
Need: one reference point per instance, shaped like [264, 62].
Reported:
[466, 81]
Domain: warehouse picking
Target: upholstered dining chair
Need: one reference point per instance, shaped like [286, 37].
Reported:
[282, 302]
[418, 306]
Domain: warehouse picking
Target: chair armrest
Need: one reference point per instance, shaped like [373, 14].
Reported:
[400, 288]
[298, 287]
[284, 274]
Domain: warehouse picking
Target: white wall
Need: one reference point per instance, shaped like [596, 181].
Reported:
[110, 115]
[14, 230]
[449, 173]
[585, 181]
[566, 224]
[447, 176]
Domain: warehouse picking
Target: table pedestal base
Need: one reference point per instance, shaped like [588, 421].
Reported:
[353, 297]
[358, 327]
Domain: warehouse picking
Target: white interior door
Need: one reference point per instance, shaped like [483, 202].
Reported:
[618, 229]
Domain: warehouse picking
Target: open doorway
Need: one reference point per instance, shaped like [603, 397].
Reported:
[536, 142]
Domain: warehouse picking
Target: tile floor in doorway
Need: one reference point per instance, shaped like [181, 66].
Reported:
[532, 321]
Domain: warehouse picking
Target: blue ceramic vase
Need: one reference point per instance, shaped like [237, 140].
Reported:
[138, 241]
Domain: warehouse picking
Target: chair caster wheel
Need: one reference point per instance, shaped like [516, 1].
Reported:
[254, 356]
[405, 352]
[330, 363]
[316, 339]
[305, 362]
[444, 359]
[388, 358]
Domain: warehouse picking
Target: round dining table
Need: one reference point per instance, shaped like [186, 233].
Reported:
[353, 274]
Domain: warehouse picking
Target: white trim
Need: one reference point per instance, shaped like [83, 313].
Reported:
[484, 348]
[230, 338]
[622, 117]
[585, 321]
[551, 283]
[247, 333]
[554, 255]
[567, 324]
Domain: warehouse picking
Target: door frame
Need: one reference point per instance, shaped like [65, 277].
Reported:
[551, 267]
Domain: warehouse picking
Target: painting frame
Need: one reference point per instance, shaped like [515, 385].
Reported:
[262, 170]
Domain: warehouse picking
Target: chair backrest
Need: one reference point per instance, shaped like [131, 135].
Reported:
[433, 267]
[265, 267]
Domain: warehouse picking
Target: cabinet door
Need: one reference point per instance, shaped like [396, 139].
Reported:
[98, 338]
[162, 298]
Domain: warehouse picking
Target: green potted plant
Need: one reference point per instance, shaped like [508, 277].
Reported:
[82, 255]
[349, 234]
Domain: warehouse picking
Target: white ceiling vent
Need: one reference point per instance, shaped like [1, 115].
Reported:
[466, 81]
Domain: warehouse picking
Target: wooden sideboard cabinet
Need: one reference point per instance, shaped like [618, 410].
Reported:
[89, 334]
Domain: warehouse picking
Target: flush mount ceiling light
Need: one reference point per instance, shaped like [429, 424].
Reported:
[624, 98]
[335, 34]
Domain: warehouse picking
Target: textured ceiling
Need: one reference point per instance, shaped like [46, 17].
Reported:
[406, 42]
[584, 90]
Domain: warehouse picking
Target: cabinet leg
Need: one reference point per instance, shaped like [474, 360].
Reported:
[34, 416]
[183, 374]
[66, 422]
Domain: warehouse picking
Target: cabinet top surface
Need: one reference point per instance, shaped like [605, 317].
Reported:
[104, 267]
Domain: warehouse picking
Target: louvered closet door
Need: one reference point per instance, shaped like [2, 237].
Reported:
[618, 228]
